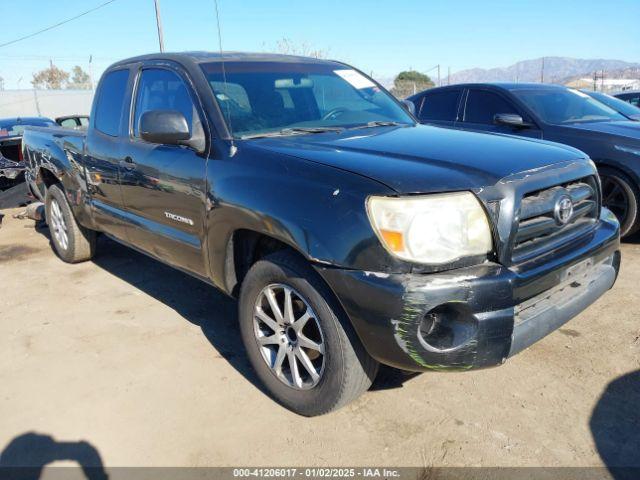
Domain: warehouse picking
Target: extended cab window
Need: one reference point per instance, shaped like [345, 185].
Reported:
[160, 89]
[441, 106]
[482, 106]
[110, 100]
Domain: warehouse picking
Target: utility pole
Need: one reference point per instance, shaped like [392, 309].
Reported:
[439, 83]
[602, 81]
[159, 23]
[90, 72]
[448, 75]
[542, 71]
[35, 97]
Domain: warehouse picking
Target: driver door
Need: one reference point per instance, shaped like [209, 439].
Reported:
[163, 186]
[481, 106]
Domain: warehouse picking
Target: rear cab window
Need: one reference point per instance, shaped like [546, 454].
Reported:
[108, 114]
[440, 106]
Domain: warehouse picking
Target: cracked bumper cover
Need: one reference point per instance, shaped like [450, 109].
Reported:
[511, 308]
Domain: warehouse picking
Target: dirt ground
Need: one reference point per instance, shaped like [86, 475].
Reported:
[145, 364]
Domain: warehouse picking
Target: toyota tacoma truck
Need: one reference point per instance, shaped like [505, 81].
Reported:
[350, 234]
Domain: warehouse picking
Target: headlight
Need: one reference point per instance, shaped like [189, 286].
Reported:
[432, 229]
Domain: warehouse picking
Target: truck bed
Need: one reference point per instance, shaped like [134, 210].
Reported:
[11, 167]
[50, 147]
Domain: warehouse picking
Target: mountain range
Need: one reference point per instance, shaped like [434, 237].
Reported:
[556, 70]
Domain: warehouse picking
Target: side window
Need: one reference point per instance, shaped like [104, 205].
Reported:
[441, 106]
[482, 106]
[110, 100]
[160, 89]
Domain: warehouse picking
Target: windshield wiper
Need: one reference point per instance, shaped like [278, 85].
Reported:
[379, 123]
[293, 131]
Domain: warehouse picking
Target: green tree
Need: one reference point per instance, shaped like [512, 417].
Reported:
[409, 82]
[52, 78]
[80, 79]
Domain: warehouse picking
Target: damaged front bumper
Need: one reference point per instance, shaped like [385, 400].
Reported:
[477, 316]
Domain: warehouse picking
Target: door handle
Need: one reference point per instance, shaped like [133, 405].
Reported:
[128, 163]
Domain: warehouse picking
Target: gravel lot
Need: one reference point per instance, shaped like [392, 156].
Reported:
[146, 365]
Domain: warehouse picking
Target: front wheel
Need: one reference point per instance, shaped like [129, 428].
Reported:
[302, 348]
[621, 196]
[72, 242]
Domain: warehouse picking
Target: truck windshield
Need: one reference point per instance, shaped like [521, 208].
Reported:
[564, 106]
[285, 98]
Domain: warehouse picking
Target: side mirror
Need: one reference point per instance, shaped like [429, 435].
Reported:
[167, 127]
[510, 120]
[409, 106]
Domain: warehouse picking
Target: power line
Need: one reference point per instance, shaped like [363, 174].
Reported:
[57, 24]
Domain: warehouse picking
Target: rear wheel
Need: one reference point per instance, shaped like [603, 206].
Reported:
[72, 242]
[621, 196]
[302, 348]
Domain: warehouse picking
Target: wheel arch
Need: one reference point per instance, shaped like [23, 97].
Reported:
[44, 178]
[626, 175]
[244, 248]
[621, 167]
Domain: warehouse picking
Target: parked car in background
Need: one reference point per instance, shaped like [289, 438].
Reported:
[625, 108]
[549, 112]
[350, 234]
[11, 165]
[632, 97]
[77, 122]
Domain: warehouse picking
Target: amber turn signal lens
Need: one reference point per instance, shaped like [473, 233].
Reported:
[394, 240]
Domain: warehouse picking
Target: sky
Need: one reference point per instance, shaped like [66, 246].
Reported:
[382, 38]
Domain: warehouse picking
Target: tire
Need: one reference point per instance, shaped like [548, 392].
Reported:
[344, 368]
[72, 242]
[622, 197]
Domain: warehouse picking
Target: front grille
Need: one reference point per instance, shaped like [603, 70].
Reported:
[539, 230]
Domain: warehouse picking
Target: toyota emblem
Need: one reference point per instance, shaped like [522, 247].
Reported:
[563, 210]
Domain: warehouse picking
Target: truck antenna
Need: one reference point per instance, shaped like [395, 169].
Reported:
[233, 149]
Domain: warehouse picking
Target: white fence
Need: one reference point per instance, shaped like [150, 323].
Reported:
[45, 103]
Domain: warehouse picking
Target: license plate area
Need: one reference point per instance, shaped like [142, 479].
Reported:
[577, 271]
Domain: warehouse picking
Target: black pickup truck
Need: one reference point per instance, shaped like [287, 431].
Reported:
[350, 234]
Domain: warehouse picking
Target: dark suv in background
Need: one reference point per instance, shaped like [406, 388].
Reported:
[625, 108]
[549, 112]
[631, 97]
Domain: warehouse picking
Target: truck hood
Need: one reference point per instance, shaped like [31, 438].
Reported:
[628, 129]
[423, 159]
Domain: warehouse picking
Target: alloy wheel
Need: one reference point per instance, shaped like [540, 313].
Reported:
[58, 225]
[289, 336]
